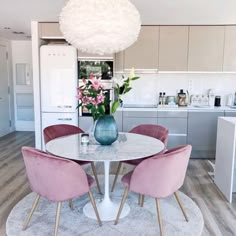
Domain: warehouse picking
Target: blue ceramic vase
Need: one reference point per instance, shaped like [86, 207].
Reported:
[106, 131]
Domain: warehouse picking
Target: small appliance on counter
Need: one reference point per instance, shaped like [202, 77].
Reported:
[211, 98]
[230, 100]
[217, 101]
[182, 98]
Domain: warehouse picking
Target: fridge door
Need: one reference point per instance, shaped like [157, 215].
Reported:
[59, 76]
[58, 118]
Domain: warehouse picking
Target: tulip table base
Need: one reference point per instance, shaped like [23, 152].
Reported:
[107, 208]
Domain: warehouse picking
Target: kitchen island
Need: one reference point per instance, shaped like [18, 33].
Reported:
[187, 125]
[225, 174]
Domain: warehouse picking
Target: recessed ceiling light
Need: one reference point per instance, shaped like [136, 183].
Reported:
[7, 28]
[18, 32]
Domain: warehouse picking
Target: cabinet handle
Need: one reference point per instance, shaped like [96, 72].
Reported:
[64, 118]
[64, 106]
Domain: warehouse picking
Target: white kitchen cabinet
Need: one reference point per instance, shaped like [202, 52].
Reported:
[230, 49]
[143, 54]
[173, 48]
[206, 48]
[49, 30]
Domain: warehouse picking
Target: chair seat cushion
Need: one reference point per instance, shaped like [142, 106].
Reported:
[126, 178]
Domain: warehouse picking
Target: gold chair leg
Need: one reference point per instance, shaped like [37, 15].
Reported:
[121, 205]
[95, 208]
[96, 177]
[142, 200]
[159, 216]
[180, 205]
[116, 176]
[139, 199]
[57, 218]
[27, 220]
[71, 204]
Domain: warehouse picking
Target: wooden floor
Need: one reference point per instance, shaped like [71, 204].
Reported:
[219, 216]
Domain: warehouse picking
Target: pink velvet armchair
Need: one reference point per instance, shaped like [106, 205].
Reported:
[155, 131]
[48, 175]
[158, 177]
[55, 131]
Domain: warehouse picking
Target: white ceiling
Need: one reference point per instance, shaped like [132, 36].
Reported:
[17, 14]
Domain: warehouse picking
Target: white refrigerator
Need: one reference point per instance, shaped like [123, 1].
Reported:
[58, 78]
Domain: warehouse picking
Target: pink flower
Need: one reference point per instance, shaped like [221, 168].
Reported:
[91, 76]
[96, 83]
[100, 98]
[84, 80]
[94, 102]
[79, 90]
[85, 100]
[79, 97]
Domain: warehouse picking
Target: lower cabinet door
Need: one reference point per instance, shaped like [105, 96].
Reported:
[131, 122]
[176, 140]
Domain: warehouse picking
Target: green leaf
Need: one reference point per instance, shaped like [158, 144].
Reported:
[135, 78]
[127, 90]
[115, 105]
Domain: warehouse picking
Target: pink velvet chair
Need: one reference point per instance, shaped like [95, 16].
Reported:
[155, 131]
[48, 175]
[55, 131]
[158, 177]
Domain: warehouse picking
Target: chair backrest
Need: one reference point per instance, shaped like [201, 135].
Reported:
[52, 177]
[55, 131]
[163, 174]
[155, 131]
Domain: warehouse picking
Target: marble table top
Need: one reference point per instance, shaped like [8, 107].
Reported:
[127, 147]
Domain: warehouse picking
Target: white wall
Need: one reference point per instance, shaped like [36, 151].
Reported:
[147, 88]
[22, 54]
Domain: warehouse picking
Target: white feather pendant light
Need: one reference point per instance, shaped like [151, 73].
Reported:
[100, 26]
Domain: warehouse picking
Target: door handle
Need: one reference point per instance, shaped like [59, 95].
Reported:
[64, 118]
[66, 106]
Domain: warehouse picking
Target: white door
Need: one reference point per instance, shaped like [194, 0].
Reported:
[4, 93]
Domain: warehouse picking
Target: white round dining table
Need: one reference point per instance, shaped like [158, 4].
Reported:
[128, 146]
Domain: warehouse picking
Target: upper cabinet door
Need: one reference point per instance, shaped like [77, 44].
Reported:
[206, 48]
[173, 48]
[230, 49]
[143, 54]
[49, 30]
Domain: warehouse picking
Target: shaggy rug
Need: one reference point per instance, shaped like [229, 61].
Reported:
[140, 221]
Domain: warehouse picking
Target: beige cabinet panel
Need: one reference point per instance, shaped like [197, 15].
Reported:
[119, 61]
[206, 48]
[50, 30]
[230, 49]
[173, 48]
[143, 54]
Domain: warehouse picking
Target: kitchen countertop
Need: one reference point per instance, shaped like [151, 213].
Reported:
[150, 107]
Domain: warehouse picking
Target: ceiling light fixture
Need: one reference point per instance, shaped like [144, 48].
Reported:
[100, 26]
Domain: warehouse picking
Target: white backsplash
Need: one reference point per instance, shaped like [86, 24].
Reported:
[146, 89]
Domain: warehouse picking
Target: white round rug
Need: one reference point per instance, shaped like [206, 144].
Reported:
[140, 221]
